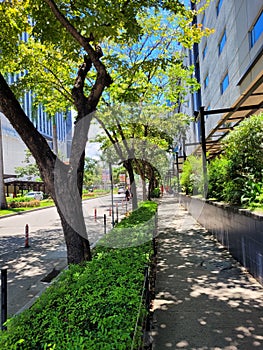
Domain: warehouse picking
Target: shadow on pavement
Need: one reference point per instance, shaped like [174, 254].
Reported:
[204, 299]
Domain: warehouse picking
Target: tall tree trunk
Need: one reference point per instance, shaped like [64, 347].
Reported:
[151, 183]
[3, 204]
[144, 190]
[128, 166]
[78, 247]
[60, 179]
[69, 205]
[54, 135]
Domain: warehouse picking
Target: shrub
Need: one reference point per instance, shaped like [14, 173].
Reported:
[90, 307]
[191, 177]
[217, 176]
[244, 149]
[156, 193]
[22, 202]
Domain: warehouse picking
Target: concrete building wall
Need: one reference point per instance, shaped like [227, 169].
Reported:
[14, 148]
[241, 61]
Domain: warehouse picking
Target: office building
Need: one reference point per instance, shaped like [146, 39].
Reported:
[229, 67]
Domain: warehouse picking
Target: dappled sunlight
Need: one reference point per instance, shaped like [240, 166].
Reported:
[204, 300]
[27, 266]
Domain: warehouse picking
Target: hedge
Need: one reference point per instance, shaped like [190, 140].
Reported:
[93, 306]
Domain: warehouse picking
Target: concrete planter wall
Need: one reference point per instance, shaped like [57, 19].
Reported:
[240, 231]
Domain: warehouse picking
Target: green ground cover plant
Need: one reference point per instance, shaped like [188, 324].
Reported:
[92, 306]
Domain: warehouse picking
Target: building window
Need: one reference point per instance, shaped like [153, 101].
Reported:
[206, 81]
[218, 7]
[222, 43]
[204, 51]
[257, 30]
[224, 83]
[203, 20]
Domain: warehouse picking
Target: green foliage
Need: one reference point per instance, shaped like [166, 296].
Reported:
[191, 178]
[22, 202]
[237, 176]
[217, 172]
[51, 56]
[30, 168]
[92, 172]
[156, 193]
[252, 192]
[244, 150]
[90, 307]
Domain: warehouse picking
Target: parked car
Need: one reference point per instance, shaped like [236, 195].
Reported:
[38, 195]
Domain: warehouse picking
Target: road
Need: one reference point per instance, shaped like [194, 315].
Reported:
[27, 267]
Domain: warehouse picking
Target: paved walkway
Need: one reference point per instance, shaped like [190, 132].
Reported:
[204, 299]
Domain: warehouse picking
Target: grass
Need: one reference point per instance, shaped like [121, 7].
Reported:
[44, 203]
[49, 202]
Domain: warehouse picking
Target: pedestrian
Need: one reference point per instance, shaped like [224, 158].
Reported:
[127, 194]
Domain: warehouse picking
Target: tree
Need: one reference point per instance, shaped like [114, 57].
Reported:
[62, 63]
[91, 172]
[146, 75]
[30, 169]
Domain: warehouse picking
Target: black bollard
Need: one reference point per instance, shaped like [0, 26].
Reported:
[3, 298]
[27, 236]
[105, 224]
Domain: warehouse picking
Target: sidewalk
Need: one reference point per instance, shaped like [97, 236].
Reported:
[204, 299]
[28, 268]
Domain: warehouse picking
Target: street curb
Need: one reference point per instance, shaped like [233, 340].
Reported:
[36, 209]
[45, 286]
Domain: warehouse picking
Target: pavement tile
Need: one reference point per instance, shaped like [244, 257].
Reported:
[204, 299]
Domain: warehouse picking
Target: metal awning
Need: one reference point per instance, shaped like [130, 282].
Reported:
[250, 102]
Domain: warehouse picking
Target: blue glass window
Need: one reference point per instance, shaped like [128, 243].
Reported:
[218, 7]
[206, 81]
[222, 43]
[204, 51]
[203, 20]
[224, 84]
[256, 30]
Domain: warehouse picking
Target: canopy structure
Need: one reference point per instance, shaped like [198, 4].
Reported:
[250, 102]
[14, 185]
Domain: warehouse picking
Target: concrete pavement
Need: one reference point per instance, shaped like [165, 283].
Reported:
[204, 299]
[26, 267]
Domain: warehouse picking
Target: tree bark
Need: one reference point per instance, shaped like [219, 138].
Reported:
[128, 166]
[60, 179]
[3, 204]
[55, 136]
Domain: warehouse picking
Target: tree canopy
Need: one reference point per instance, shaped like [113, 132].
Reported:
[56, 50]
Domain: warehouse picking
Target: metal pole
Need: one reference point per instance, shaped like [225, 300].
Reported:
[117, 213]
[177, 173]
[3, 298]
[112, 203]
[105, 224]
[203, 143]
